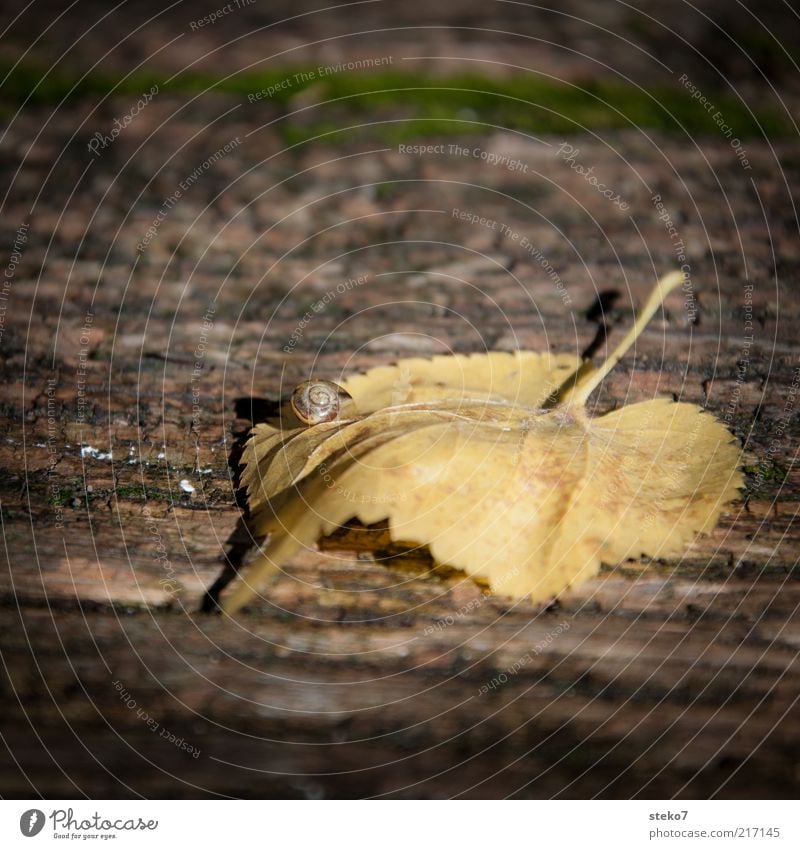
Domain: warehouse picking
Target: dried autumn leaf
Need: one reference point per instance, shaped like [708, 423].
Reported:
[493, 462]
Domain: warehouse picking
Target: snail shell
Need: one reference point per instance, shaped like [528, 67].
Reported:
[317, 401]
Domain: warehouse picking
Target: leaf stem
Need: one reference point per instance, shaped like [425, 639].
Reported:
[578, 393]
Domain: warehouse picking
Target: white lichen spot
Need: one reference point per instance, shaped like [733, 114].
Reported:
[95, 453]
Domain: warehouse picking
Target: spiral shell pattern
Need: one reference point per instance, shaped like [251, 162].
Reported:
[317, 401]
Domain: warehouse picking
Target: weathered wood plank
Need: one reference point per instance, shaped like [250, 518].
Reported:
[364, 672]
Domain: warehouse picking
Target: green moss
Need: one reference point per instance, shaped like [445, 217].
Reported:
[61, 497]
[141, 493]
[471, 104]
[386, 191]
[64, 495]
[409, 105]
[769, 471]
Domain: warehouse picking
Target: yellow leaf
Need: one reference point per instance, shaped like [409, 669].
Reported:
[493, 462]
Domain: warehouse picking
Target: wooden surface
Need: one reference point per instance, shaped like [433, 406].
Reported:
[368, 674]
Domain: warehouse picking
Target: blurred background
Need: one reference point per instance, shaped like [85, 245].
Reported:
[204, 205]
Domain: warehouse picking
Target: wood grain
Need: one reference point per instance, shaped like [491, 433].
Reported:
[366, 671]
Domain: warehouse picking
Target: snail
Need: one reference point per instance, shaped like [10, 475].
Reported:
[317, 401]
